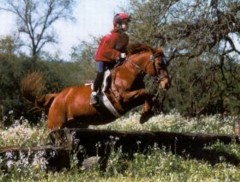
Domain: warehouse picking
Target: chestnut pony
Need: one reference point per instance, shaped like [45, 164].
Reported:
[70, 107]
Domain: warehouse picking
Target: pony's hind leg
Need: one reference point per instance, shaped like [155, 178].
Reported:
[147, 112]
[56, 117]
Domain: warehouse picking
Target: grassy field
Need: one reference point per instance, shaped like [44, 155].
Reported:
[158, 165]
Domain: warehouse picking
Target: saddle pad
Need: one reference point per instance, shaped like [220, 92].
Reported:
[109, 106]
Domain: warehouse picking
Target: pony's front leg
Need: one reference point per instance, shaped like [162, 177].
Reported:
[148, 102]
[131, 95]
[147, 109]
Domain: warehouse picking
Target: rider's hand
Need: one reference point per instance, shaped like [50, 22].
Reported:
[123, 55]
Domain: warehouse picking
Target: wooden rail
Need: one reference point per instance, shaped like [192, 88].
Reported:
[101, 142]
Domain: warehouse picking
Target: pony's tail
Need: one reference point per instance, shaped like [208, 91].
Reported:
[32, 87]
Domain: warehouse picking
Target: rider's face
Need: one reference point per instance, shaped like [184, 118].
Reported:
[124, 26]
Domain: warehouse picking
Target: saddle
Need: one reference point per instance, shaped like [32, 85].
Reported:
[106, 97]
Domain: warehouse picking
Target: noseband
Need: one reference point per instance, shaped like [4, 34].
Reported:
[163, 63]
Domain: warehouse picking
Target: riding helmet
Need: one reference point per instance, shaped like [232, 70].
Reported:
[120, 17]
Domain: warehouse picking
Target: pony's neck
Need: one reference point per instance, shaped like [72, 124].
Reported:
[147, 65]
[141, 61]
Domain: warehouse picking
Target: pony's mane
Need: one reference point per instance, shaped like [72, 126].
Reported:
[138, 48]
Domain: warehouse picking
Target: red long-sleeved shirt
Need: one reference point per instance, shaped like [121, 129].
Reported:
[111, 46]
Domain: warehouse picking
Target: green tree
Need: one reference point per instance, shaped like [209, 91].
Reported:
[199, 38]
[9, 45]
[83, 56]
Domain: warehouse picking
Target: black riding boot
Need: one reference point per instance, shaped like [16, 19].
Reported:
[96, 87]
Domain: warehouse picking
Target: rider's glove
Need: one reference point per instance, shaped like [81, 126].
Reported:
[123, 55]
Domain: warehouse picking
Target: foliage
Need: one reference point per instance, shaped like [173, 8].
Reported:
[200, 40]
[9, 45]
[11, 71]
[23, 134]
[157, 165]
[83, 56]
[199, 87]
[56, 75]
[191, 28]
[174, 122]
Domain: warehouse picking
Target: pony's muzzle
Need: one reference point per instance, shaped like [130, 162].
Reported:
[164, 84]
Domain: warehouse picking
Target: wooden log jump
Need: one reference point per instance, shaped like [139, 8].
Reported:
[101, 142]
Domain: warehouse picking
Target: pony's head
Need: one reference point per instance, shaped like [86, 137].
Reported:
[150, 61]
[160, 66]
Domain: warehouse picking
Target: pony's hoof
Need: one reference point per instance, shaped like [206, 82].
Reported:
[146, 116]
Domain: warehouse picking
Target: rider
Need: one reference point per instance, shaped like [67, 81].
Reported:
[112, 48]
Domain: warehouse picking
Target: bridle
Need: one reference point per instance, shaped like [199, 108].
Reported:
[152, 60]
[163, 63]
[157, 78]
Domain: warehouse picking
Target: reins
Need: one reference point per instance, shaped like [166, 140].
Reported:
[136, 66]
[142, 70]
[152, 61]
